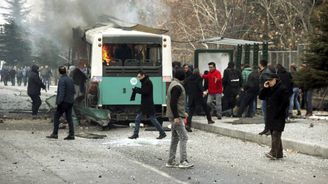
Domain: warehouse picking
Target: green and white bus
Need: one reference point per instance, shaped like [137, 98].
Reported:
[115, 55]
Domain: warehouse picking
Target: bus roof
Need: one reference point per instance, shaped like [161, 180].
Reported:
[110, 31]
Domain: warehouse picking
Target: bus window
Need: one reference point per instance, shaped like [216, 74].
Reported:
[131, 55]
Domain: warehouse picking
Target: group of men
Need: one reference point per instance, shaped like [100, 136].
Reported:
[185, 92]
[13, 74]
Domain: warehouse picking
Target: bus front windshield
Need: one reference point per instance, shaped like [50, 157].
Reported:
[131, 55]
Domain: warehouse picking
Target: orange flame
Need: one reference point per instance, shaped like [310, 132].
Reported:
[106, 55]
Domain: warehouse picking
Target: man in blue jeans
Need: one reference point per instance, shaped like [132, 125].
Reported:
[147, 105]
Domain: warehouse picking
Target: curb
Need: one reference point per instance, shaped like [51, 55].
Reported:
[309, 149]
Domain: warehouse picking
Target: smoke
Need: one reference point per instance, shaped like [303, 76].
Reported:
[53, 20]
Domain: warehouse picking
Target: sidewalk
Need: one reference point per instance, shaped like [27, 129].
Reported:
[306, 136]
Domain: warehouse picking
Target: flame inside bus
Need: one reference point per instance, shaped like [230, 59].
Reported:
[106, 54]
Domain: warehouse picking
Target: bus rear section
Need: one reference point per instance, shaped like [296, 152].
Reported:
[120, 63]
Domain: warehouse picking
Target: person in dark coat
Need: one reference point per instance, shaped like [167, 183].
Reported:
[232, 82]
[33, 89]
[64, 101]
[12, 74]
[194, 87]
[276, 96]
[147, 105]
[250, 91]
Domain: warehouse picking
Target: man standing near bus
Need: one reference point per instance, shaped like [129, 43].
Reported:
[147, 105]
[175, 111]
[214, 89]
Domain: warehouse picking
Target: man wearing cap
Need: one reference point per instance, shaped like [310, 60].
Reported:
[277, 101]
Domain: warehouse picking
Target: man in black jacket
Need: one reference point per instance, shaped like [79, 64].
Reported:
[194, 87]
[147, 105]
[33, 89]
[64, 101]
[277, 100]
[250, 91]
[232, 82]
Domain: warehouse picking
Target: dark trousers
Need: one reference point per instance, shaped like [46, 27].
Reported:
[153, 120]
[61, 109]
[36, 103]
[247, 100]
[276, 144]
[231, 98]
[192, 108]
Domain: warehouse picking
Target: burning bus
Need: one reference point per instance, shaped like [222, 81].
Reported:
[115, 55]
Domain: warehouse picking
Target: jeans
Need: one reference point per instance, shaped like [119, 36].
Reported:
[218, 103]
[308, 96]
[247, 100]
[294, 98]
[36, 103]
[153, 120]
[61, 109]
[179, 133]
[192, 108]
[264, 111]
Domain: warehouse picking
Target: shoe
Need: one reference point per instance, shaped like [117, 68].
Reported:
[69, 137]
[210, 122]
[299, 113]
[52, 136]
[265, 131]
[188, 129]
[134, 136]
[172, 164]
[308, 114]
[269, 155]
[161, 136]
[185, 165]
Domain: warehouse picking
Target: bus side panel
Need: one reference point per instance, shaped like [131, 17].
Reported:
[118, 90]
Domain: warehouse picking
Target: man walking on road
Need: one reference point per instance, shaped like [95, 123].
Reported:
[214, 89]
[33, 89]
[176, 113]
[147, 105]
[64, 101]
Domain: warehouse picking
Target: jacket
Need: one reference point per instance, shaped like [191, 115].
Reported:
[277, 102]
[65, 90]
[245, 73]
[146, 91]
[194, 87]
[34, 82]
[252, 83]
[175, 100]
[214, 82]
[286, 80]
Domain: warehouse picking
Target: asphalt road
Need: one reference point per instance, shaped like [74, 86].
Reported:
[26, 156]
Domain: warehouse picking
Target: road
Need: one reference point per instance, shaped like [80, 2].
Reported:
[26, 156]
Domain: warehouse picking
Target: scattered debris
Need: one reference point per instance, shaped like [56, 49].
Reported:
[15, 163]
[189, 178]
[311, 125]
[99, 176]
[32, 132]
[62, 160]
[90, 136]
[1, 121]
